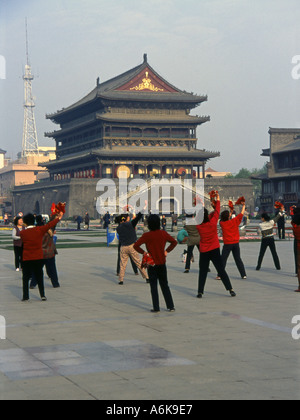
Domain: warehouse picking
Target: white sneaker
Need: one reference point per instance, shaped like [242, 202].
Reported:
[17, 269]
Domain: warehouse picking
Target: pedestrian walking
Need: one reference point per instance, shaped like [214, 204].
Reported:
[164, 222]
[79, 221]
[174, 222]
[33, 257]
[155, 241]
[17, 242]
[231, 238]
[210, 248]
[87, 221]
[267, 241]
[106, 220]
[127, 237]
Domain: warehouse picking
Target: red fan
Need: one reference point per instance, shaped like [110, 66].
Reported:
[240, 200]
[230, 205]
[127, 208]
[57, 208]
[213, 195]
[147, 261]
[278, 205]
[197, 200]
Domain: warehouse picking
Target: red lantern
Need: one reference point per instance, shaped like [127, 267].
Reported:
[181, 172]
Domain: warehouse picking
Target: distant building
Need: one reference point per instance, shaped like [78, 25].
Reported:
[136, 123]
[2, 158]
[212, 173]
[24, 171]
[282, 181]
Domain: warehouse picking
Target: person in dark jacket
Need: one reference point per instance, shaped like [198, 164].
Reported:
[281, 223]
[87, 220]
[127, 238]
[134, 267]
[78, 220]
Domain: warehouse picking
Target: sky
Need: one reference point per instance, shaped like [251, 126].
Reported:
[242, 54]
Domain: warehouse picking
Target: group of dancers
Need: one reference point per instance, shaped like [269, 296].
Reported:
[204, 235]
[201, 233]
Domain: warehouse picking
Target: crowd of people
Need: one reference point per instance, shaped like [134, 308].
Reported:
[34, 247]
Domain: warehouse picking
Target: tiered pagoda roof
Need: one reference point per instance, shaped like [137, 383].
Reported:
[140, 84]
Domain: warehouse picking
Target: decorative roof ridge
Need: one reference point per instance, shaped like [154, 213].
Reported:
[114, 83]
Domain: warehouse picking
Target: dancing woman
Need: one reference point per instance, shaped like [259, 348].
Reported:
[266, 229]
[33, 257]
[155, 241]
[210, 249]
[127, 238]
[231, 238]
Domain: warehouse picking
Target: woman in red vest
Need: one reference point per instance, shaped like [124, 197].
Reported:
[231, 239]
[33, 256]
[210, 249]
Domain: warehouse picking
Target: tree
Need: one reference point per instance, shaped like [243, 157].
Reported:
[246, 173]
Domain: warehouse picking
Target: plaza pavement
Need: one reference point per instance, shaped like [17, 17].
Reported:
[96, 340]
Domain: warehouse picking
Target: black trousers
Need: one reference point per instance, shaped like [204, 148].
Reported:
[158, 273]
[265, 243]
[51, 271]
[36, 267]
[281, 231]
[215, 257]
[18, 256]
[189, 256]
[235, 249]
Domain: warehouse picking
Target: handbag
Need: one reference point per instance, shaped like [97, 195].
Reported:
[147, 261]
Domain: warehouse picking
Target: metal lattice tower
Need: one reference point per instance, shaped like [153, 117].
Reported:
[30, 141]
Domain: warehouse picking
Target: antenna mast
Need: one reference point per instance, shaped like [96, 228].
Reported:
[30, 141]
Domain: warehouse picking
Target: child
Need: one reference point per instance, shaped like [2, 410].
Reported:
[155, 241]
[182, 236]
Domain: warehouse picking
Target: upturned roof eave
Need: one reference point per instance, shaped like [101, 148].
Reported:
[193, 155]
[108, 91]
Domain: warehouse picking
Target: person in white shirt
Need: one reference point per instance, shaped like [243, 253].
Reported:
[266, 230]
